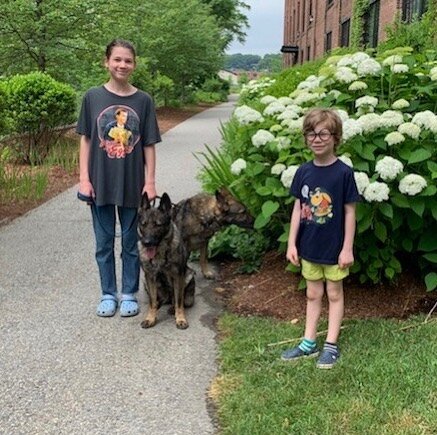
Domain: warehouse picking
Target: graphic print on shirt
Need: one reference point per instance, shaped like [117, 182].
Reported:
[317, 205]
[119, 131]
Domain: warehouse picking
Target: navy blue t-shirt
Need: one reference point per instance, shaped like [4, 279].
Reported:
[323, 191]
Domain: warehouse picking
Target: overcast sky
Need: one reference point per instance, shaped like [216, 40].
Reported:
[266, 19]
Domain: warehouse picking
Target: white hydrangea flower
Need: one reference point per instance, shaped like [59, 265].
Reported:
[351, 128]
[362, 181]
[285, 101]
[261, 137]
[359, 57]
[366, 101]
[426, 119]
[345, 74]
[391, 118]
[274, 107]
[400, 104]
[410, 129]
[344, 116]
[399, 68]
[275, 128]
[412, 184]
[278, 169]
[369, 67]
[391, 60]
[335, 93]
[288, 114]
[357, 86]
[288, 175]
[238, 166]
[246, 115]
[394, 138]
[293, 124]
[369, 122]
[346, 160]
[311, 82]
[306, 97]
[376, 192]
[346, 60]
[267, 99]
[433, 74]
[282, 142]
[389, 168]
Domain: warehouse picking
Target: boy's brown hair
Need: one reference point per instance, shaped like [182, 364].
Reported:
[329, 117]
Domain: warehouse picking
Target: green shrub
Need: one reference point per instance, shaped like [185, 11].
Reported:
[388, 105]
[38, 104]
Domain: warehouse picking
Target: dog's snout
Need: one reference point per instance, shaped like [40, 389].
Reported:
[149, 242]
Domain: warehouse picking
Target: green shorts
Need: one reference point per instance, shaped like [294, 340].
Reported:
[315, 272]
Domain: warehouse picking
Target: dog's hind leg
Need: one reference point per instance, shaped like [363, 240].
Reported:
[179, 290]
[203, 261]
[152, 311]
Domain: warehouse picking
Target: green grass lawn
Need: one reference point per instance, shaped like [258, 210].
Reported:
[384, 383]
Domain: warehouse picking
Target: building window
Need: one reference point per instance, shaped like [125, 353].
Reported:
[371, 24]
[412, 9]
[345, 32]
[309, 52]
[328, 41]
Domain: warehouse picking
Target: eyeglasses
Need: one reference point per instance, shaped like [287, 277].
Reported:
[323, 135]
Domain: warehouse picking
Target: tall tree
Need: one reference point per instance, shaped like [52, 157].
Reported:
[48, 35]
[230, 19]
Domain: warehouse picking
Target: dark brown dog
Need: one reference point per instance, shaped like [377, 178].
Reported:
[198, 218]
[164, 257]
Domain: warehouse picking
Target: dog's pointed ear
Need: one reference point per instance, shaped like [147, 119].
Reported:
[165, 203]
[222, 196]
[145, 203]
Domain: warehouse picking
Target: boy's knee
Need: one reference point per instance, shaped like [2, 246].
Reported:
[334, 291]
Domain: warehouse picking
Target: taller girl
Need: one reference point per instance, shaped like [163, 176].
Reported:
[119, 130]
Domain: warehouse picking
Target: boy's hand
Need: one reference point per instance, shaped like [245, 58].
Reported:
[345, 259]
[293, 256]
[150, 189]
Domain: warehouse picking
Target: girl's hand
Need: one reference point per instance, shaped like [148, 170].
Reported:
[86, 188]
[345, 259]
[150, 189]
[293, 256]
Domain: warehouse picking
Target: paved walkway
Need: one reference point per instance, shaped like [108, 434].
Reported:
[66, 371]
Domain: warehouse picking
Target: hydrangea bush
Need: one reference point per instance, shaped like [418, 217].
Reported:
[388, 107]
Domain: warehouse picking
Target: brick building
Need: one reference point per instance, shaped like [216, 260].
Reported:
[314, 27]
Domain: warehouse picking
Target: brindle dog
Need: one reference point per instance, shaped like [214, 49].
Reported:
[164, 257]
[198, 218]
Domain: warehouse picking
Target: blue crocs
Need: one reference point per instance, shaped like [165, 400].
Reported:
[297, 353]
[107, 306]
[328, 358]
[128, 306]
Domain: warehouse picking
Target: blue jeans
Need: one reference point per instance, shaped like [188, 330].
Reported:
[104, 230]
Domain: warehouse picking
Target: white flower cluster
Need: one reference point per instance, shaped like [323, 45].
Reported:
[246, 115]
[369, 67]
[261, 137]
[366, 101]
[351, 128]
[392, 60]
[391, 118]
[369, 122]
[389, 168]
[344, 74]
[294, 125]
[394, 138]
[399, 68]
[410, 129]
[238, 166]
[357, 86]
[376, 192]
[311, 82]
[278, 169]
[286, 101]
[288, 175]
[267, 99]
[362, 181]
[257, 87]
[426, 119]
[304, 96]
[412, 184]
[433, 74]
[282, 142]
[400, 104]
[274, 107]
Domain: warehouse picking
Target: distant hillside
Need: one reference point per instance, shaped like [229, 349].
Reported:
[252, 62]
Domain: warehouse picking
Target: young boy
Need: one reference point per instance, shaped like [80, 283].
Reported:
[322, 232]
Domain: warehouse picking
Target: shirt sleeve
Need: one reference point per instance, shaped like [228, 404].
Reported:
[151, 134]
[295, 187]
[84, 122]
[350, 188]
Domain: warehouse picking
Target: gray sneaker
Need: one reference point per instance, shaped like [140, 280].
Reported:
[327, 359]
[297, 353]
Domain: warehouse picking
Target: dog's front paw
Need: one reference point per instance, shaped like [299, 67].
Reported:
[148, 323]
[209, 274]
[181, 324]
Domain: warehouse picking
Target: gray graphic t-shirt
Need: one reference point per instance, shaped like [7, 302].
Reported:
[119, 128]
